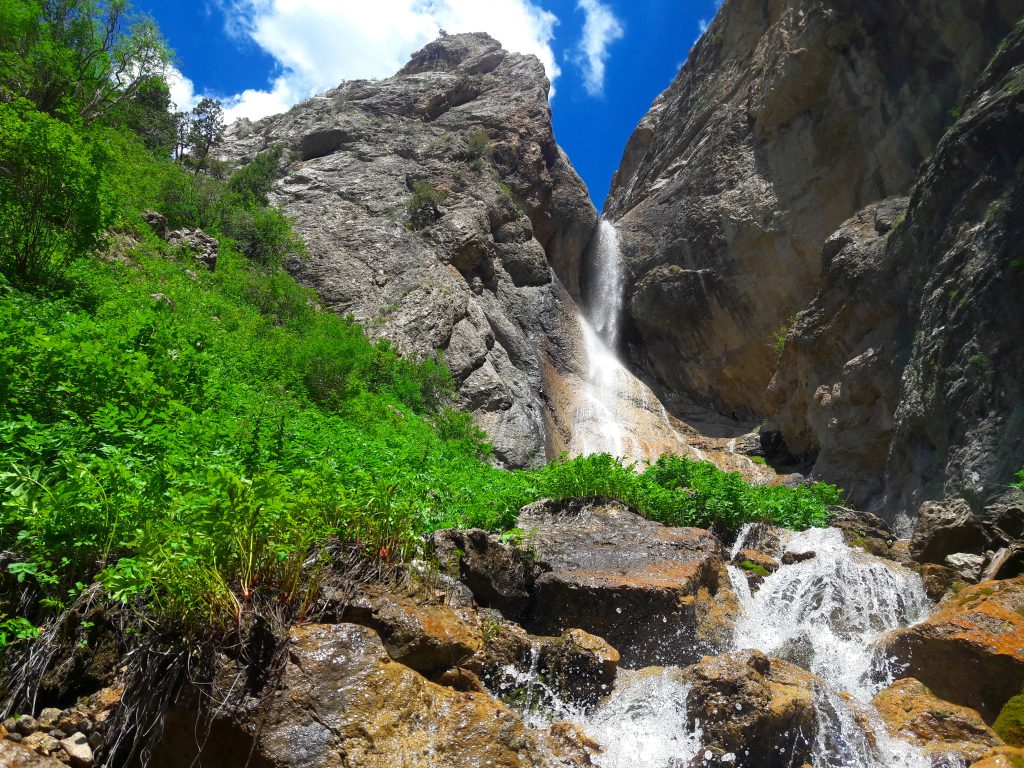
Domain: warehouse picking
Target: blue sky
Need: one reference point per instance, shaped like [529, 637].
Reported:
[608, 59]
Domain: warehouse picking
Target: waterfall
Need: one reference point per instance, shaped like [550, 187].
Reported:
[615, 413]
[825, 613]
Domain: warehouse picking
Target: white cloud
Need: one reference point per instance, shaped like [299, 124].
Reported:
[319, 43]
[600, 29]
[182, 90]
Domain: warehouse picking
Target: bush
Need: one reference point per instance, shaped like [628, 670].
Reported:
[54, 198]
[423, 205]
[253, 182]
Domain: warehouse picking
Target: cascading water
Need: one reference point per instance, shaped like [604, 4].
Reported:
[617, 413]
[825, 614]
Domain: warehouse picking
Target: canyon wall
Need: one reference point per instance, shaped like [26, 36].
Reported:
[789, 118]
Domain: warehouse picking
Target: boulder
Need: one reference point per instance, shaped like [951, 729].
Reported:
[342, 701]
[202, 247]
[581, 666]
[428, 638]
[16, 755]
[496, 573]
[634, 582]
[757, 708]
[1002, 757]
[946, 528]
[967, 566]
[938, 580]
[911, 712]
[971, 650]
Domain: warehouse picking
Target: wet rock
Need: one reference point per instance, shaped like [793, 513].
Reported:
[570, 744]
[791, 558]
[1002, 757]
[766, 538]
[428, 638]
[758, 708]
[766, 563]
[342, 701]
[864, 530]
[497, 574]
[605, 569]
[48, 718]
[716, 615]
[971, 650]
[946, 528]
[911, 712]
[938, 580]
[581, 666]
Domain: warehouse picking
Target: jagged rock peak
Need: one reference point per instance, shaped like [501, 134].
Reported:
[440, 213]
[473, 53]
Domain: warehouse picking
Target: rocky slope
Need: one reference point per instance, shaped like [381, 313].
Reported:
[476, 275]
[900, 348]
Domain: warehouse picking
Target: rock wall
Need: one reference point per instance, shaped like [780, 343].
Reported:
[477, 277]
[904, 380]
[788, 117]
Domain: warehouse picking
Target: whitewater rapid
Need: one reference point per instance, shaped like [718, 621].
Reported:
[833, 607]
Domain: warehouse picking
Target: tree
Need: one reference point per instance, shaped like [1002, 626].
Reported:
[77, 59]
[54, 199]
[205, 131]
[147, 114]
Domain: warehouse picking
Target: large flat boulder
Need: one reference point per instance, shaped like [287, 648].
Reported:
[633, 582]
[971, 650]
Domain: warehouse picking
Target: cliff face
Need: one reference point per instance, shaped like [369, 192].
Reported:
[474, 277]
[788, 117]
[778, 273]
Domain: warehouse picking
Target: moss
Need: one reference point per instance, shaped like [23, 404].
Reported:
[1010, 723]
[759, 460]
[760, 570]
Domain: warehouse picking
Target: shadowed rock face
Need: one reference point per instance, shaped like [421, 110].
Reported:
[478, 280]
[903, 379]
[789, 116]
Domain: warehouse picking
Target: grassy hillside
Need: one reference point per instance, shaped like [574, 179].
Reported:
[192, 438]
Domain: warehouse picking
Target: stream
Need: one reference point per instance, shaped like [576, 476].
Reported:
[825, 613]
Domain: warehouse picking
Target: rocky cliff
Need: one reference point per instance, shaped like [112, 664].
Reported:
[904, 377]
[777, 273]
[469, 267]
[788, 117]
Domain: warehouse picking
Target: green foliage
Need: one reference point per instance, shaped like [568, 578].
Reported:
[978, 361]
[54, 198]
[679, 491]
[253, 182]
[423, 205]
[1009, 725]
[781, 334]
[480, 150]
[1020, 481]
[754, 568]
[77, 59]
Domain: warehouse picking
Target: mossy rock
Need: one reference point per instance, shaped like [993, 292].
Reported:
[1010, 723]
[760, 570]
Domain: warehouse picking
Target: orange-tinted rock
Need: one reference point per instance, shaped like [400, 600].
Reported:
[1002, 757]
[971, 650]
[912, 712]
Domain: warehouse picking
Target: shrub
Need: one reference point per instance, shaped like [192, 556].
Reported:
[423, 205]
[253, 182]
[1020, 480]
[54, 198]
